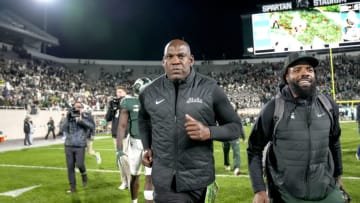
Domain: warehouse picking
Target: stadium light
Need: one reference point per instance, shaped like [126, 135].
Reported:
[45, 3]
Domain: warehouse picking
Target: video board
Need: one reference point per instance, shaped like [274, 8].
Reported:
[306, 29]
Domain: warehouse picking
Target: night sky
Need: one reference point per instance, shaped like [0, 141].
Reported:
[139, 29]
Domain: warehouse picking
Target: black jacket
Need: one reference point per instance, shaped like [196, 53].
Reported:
[112, 115]
[26, 126]
[295, 144]
[161, 124]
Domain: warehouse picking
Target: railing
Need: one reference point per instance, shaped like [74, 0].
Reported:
[12, 107]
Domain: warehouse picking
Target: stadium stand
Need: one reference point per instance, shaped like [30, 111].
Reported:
[33, 83]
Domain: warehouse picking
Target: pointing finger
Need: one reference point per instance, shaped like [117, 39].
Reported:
[189, 118]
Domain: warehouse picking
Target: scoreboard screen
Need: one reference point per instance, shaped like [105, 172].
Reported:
[316, 28]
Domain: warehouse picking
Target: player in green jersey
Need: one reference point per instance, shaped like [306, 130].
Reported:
[129, 116]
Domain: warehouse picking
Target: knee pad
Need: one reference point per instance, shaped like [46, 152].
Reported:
[149, 194]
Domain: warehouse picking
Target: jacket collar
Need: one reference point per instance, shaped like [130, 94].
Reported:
[286, 95]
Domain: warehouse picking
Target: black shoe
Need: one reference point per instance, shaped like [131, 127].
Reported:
[84, 180]
[71, 190]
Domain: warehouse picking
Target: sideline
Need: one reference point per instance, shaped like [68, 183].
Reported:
[12, 145]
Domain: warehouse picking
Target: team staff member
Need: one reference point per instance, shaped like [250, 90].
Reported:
[303, 162]
[178, 117]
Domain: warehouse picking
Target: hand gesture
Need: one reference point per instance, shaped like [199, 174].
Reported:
[195, 129]
[147, 158]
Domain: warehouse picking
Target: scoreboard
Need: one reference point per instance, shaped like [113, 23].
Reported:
[294, 26]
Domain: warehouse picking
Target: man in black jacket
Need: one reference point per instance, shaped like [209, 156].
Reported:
[181, 113]
[303, 161]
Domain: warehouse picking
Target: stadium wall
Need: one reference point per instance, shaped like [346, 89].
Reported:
[12, 123]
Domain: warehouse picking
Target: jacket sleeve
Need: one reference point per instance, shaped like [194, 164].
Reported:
[334, 144]
[260, 135]
[87, 122]
[230, 126]
[110, 114]
[144, 124]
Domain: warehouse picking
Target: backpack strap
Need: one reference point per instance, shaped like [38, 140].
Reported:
[278, 112]
[328, 107]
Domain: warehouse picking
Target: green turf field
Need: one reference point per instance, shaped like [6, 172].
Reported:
[45, 167]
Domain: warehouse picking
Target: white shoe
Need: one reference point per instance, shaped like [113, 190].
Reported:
[98, 158]
[357, 156]
[227, 168]
[237, 171]
[123, 186]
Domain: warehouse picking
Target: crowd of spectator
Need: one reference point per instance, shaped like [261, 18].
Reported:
[252, 85]
[26, 83]
[45, 84]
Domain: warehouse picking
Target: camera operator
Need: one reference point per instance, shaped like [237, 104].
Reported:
[113, 114]
[76, 128]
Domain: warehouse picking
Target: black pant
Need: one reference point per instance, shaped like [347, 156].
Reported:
[192, 196]
[27, 139]
[50, 130]
[74, 155]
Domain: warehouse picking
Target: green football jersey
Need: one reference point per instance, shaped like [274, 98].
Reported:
[132, 104]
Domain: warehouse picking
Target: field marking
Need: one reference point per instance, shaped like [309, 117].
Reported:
[62, 148]
[216, 150]
[117, 171]
[18, 192]
[244, 150]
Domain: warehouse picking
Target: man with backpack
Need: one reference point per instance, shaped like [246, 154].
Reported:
[300, 127]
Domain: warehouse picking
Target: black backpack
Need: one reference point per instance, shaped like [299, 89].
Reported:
[277, 116]
[280, 103]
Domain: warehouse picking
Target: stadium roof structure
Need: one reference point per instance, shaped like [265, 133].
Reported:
[15, 25]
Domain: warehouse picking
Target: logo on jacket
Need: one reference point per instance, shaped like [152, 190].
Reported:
[159, 101]
[194, 100]
[320, 115]
[292, 115]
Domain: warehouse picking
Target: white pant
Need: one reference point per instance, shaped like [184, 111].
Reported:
[135, 153]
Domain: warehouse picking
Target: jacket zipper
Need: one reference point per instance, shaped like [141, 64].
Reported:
[308, 120]
[176, 86]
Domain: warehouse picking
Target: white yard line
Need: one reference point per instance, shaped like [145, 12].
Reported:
[116, 171]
